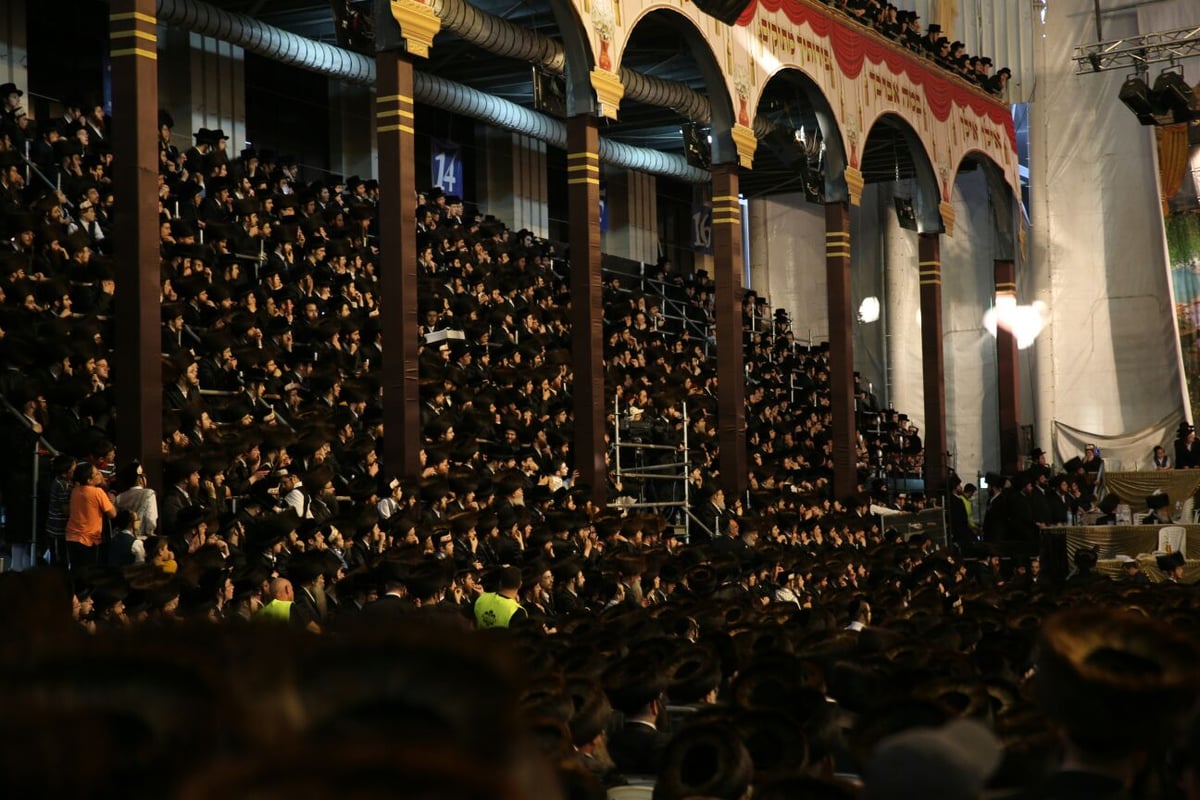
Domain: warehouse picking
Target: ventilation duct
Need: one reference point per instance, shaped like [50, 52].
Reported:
[503, 38]
[275, 43]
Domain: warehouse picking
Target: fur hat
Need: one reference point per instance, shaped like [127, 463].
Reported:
[1116, 682]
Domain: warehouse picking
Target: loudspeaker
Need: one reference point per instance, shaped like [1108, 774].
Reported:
[550, 93]
[906, 215]
[696, 147]
[725, 10]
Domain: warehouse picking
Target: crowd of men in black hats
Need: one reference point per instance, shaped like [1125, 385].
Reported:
[793, 640]
[904, 27]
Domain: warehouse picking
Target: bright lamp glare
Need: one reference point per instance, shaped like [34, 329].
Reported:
[1025, 322]
[868, 310]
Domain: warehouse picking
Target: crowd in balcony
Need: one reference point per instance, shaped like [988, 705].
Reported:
[288, 617]
[904, 27]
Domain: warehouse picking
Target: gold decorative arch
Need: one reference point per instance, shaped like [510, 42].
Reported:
[862, 74]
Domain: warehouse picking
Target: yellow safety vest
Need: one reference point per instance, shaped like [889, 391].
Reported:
[494, 610]
[274, 611]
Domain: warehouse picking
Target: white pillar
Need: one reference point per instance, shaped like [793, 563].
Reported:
[972, 411]
[901, 277]
[867, 280]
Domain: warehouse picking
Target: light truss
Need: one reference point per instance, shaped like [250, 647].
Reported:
[1137, 52]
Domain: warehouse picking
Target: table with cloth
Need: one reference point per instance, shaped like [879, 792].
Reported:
[1134, 487]
[1058, 545]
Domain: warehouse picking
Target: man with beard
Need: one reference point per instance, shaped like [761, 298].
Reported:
[305, 572]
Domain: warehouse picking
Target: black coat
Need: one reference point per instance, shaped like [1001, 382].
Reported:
[637, 749]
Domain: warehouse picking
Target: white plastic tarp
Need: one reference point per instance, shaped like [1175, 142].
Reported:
[1108, 365]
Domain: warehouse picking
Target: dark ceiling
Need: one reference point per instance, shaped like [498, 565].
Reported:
[658, 49]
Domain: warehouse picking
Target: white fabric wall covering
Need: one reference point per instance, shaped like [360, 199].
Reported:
[867, 280]
[218, 89]
[513, 179]
[1002, 29]
[14, 55]
[353, 147]
[530, 192]
[632, 215]
[1109, 369]
[788, 261]
[1170, 15]
[972, 413]
[202, 84]
[902, 285]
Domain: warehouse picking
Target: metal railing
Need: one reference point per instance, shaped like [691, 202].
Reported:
[41, 449]
[675, 471]
[671, 308]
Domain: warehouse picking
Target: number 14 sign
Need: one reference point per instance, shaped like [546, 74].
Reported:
[446, 160]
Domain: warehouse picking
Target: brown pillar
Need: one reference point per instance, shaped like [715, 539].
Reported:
[731, 375]
[398, 263]
[933, 362]
[841, 346]
[587, 303]
[1007, 388]
[133, 44]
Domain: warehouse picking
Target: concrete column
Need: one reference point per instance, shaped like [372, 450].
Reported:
[203, 86]
[14, 55]
[731, 374]
[902, 303]
[1008, 387]
[138, 367]
[587, 304]
[398, 262]
[934, 362]
[353, 149]
[841, 346]
[632, 216]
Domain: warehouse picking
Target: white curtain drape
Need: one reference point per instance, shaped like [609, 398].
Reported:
[1108, 364]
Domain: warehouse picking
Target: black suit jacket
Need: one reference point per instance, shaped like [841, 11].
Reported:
[387, 608]
[637, 749]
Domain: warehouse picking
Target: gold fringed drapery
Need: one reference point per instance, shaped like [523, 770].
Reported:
[1111, 541]
[1135, 487]
[1172, 160]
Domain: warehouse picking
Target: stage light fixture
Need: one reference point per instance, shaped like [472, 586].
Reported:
[1173, 95]
[1135, 94]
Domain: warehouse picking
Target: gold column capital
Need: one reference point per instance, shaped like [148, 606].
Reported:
[418, 24]
[609, 91]
[854, 185]
[746, 143]
[946, 209]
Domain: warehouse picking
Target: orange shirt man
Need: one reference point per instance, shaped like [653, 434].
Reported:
[85, 520]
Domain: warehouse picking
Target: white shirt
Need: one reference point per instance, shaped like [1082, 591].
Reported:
[296, 501]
